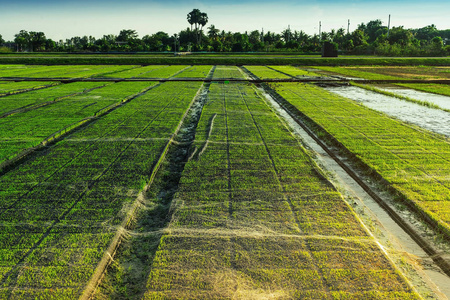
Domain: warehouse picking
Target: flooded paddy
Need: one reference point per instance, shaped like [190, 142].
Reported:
[439, 100]
[431, 119]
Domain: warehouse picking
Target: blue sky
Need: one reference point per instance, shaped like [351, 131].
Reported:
[66, 18]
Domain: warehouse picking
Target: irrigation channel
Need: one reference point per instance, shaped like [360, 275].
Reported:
[397, 232]
[433, 119]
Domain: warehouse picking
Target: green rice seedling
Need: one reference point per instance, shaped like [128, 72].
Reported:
[264, 72]
[277, 215]
[411, 162]
[80, 192]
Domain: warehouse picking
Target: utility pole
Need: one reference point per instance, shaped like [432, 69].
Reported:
[389, 25]
[175, 44]
[262, 35]
[348, 27]
[289, 33]
[320, 29]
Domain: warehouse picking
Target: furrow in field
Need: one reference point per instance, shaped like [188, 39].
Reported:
[82, 203]
[12, 88]
[259, 249]
[33, 99]
[31, 128]
[62, 71]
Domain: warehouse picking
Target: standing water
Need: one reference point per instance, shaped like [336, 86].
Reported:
[432, 119]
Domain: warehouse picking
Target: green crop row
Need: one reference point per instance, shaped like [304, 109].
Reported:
[440, 89]
[157, 71]
[195, 72]
[253, 217]
[363, 73]
[263, 72]
[356, 73]
[414, 163]
[60, 208]
[228, 72]
[408, 72]
[64, 71]
[25, 101]
[294, 71]
[165, 72]
[27, 129]
[9, 88]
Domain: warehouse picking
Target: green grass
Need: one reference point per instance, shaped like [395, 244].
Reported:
[228, 72]
[195, 72]
[32, 99]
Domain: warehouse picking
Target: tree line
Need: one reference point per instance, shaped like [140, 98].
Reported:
[370, 38]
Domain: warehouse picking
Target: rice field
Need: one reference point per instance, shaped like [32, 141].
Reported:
[197, 190]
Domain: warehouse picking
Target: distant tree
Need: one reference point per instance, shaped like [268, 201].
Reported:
[2, 41]
[126, 35]
[50, 45]
[199, 20]
[359, 38]
[22, 40]
[159, 41]
[37, 40]
[213, 32]
[399, 35]
[373, 29]
[437, 44]
[286, 34]
[426, 33]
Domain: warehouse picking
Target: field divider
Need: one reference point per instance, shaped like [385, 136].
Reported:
[55, 137]
[29, 89]
[297, 115]
[207, 79]
[36, 106]
[292, 76]
[109, 254]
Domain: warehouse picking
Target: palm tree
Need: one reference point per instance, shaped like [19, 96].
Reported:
[193, 17]
[213, 32]
[198, 19]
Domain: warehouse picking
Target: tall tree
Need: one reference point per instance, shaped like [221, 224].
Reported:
[37, 40]
[213, 32]
[22, 40]
[198, 19]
